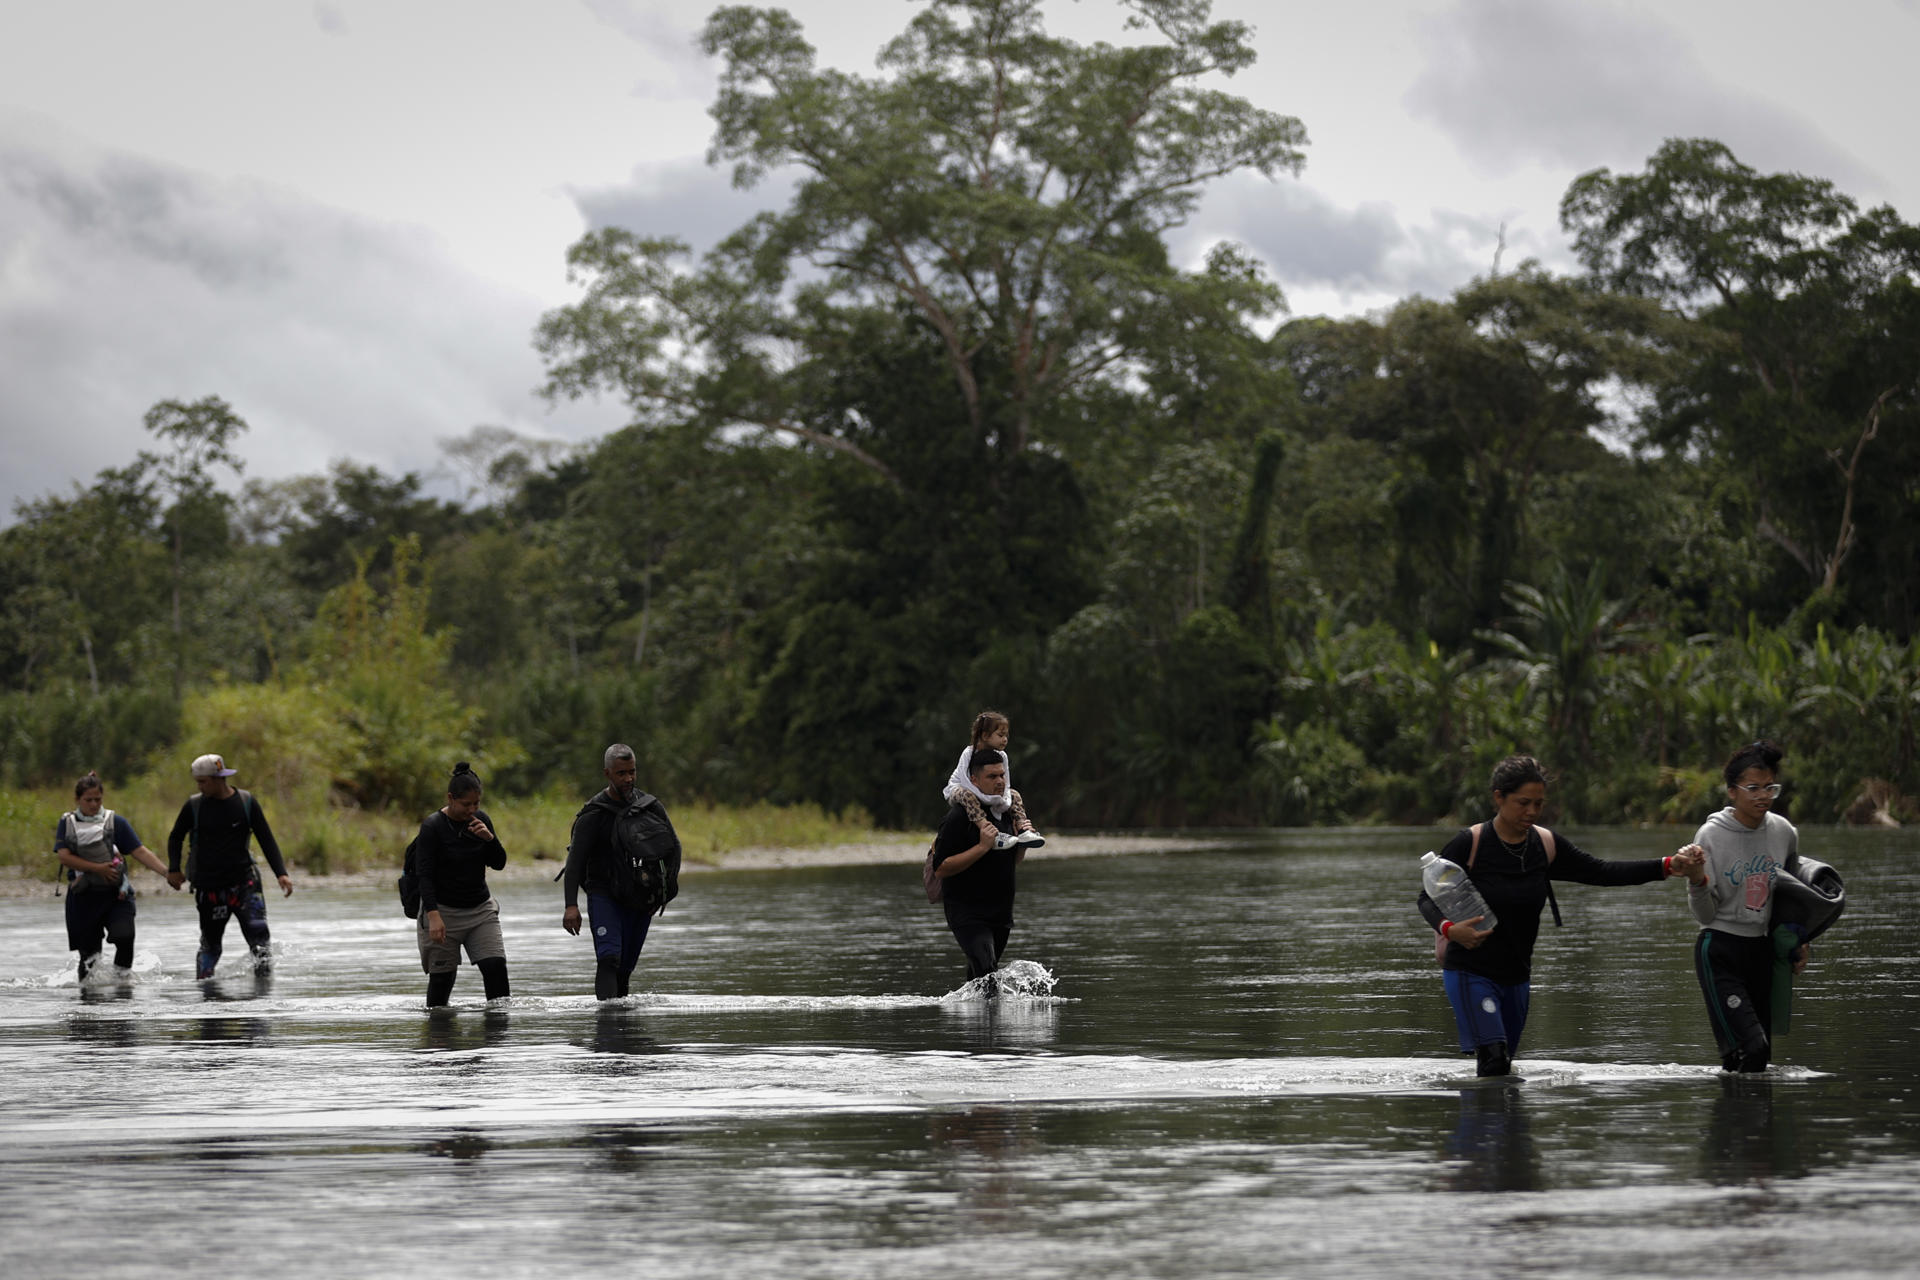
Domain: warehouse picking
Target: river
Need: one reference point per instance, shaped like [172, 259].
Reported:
[1232, 1061]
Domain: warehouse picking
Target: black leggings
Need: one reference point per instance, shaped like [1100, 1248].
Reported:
[92, 913]
[1736, 977]
[493, 972]
[982, 942]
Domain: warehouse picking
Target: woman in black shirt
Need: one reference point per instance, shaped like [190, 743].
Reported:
[1511, 860]
[451, 855]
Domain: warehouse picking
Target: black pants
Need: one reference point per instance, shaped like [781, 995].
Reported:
[93, 912]
[1736, 977]
[982, 939]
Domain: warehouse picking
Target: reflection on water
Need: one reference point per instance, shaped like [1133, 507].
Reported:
[234, 1030]
[619, 1029]
[444, 1028]
[248, 985]
[1234, 1062]
[1492, 1145]
[1753, 1134]
[463, 1146]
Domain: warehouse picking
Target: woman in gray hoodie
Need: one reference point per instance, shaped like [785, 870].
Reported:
[1747, 846]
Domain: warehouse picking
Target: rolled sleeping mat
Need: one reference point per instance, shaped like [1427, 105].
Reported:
[1808, 895]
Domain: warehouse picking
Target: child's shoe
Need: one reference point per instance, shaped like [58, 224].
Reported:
[1030, 838]
[1005, 841]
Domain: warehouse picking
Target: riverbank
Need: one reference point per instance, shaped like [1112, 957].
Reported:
[904, 851]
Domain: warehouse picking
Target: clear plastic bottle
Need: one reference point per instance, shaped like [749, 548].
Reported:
[1447, 884]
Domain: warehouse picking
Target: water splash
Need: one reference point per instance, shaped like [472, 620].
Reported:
[1018, 979]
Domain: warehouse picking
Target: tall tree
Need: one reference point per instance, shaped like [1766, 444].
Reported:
[1806, 381]
[200, 437]
[1476, 399]
[1009, 189]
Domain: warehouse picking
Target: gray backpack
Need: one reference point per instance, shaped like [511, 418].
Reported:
[97, 847]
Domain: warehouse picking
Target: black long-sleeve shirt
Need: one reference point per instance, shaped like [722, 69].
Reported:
[221, 857]
[1515, 889]
[985, 889]
[452, 862]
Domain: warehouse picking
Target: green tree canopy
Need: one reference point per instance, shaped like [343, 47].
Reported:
[1804, 380]
[1008, 188]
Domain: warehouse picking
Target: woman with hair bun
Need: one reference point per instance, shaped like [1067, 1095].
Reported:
[1743, 848]
[451, 855]
[1511, 860]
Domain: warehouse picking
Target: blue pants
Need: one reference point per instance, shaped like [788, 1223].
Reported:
[1485, 1011]
[618, 932]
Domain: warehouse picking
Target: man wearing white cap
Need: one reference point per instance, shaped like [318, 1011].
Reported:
[216, 825]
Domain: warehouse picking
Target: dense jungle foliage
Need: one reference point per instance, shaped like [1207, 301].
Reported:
[951, 429]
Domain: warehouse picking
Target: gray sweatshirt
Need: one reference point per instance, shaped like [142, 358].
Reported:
[1741, 865]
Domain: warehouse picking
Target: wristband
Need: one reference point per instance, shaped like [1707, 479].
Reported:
[1666, 865]
[1445, 926]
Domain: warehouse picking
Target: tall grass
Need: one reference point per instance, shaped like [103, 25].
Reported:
[322, 838]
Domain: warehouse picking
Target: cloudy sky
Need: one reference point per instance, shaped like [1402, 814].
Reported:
[345, 217]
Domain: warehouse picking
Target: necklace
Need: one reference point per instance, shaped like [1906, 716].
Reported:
[1518, 850]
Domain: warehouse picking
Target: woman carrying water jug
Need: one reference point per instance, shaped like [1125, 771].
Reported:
[1512, 861]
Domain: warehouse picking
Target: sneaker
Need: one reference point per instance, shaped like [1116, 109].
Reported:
[1030, 838]
[1004, 841]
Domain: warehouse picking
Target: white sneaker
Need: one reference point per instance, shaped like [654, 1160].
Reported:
[1004, 841]
[1030, 838]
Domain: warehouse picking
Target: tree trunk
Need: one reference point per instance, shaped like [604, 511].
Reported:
[179, 655]
[646, 612]
[1843, 542]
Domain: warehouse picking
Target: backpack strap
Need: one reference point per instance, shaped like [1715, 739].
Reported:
[70, 836]
[1547, 843]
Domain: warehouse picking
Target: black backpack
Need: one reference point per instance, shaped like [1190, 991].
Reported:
[643, 843]
[409, 882]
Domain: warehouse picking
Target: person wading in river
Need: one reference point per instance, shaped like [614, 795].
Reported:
[625, 854]
[451, 855]
[1743, 850]
[976, 876]
[93, 843]
[1488, 972]
[216, 826]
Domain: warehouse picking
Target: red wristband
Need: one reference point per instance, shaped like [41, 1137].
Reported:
[1666, 865]
[1445, 925]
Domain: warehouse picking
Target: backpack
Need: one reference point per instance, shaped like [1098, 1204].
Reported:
[409, 882]
[643, 839]
[930, 878]
[1473, 851]
[70, 828]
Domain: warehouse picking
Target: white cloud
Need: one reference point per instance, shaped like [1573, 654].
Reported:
[685, 199]
[124, 282]
[1577, 86]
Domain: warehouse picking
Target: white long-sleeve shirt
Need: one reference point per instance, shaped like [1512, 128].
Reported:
[960, 781]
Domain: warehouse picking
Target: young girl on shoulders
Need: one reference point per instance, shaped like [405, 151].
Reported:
[991, 729]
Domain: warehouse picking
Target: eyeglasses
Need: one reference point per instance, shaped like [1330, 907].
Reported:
[1759, 788]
